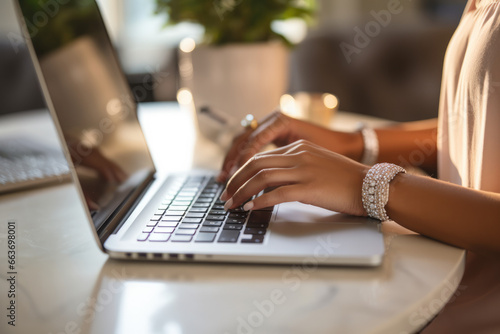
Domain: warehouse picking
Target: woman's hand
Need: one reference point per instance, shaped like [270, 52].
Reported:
[281, 130]
[302, 172]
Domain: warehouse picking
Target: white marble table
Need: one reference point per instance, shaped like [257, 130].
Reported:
[65, 284]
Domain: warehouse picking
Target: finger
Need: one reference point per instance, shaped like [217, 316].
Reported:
[267, 133]
[251, 142]
[288, 193]
[230, 161]
[267, 178]
[304, 145]
[251, 168]
[277, 151]
[295, 147]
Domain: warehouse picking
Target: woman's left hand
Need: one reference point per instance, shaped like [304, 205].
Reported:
[302, 172]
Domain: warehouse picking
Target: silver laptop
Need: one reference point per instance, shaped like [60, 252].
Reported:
[25, 163]
[135, 213]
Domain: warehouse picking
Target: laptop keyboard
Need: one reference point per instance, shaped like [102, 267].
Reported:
[192, 212]
[25, 163]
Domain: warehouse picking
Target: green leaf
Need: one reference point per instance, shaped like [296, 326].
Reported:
[236, 21]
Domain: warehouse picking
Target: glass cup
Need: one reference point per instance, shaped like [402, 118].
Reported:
[317, 108]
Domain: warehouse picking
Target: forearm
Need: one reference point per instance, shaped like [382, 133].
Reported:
[411, 143]
[409, 146]
[456, 215]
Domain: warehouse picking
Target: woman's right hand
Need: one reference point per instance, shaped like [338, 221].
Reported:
[281, 130]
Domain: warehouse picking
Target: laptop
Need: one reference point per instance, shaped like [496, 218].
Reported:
[25, 163]
[133, 211]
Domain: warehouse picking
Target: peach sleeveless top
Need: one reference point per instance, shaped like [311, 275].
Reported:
[469, 154]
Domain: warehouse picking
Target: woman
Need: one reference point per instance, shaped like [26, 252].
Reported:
[462, 208]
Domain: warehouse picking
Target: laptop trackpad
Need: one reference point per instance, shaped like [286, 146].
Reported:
[309, 226]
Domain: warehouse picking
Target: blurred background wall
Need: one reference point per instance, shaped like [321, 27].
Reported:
[396, 76]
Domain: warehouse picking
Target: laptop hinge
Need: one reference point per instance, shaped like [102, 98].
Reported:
[116, 220]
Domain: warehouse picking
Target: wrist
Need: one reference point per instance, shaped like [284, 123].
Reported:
[349, 144]
[376, 188]
[358, 201]
[370, 146]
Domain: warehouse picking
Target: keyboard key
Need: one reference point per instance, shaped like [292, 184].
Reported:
[258, 225]
[171, 219]
[204, 200]
[167, 224]
[174, 213]
[207, 195]
[238, 215]
[152, 224]
[202, 205]
[189, 226]
[181, 238]
[216, 217]
[255, 231]
[185, 232]
[255, 239]
[181, 203]
[189, 194]
[143, 237]
[164, 229]
[233, 227]
[178, 208]
[159, 237]
[213, 223]
[198, 210]
[185, 198]
[148, 229]
[260, 217]
[229, 236]
[191, 186]
[211, 229]
[217, 212]
[155, 218]
[218, 207]
[159, 212]
[195, 215]
[205, 237]
[192, 220]
[236, 220]
[238, 209]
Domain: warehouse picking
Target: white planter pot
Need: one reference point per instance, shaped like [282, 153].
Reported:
[232, 81]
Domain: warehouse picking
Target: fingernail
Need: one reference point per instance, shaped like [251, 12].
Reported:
[223, 196]
[228, 204]
[248, 206]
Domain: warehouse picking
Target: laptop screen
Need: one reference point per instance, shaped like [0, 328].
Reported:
[92, 101]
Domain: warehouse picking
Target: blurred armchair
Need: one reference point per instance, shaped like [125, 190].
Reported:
[397, 76]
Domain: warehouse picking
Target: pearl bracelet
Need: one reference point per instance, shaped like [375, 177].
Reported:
[375, 190]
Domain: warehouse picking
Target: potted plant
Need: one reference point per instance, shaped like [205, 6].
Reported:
[242, 66]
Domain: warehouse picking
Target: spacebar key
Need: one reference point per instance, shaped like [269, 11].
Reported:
[229, 236]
